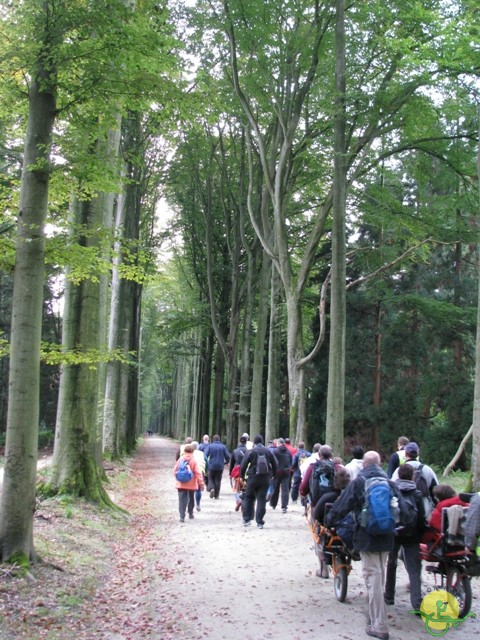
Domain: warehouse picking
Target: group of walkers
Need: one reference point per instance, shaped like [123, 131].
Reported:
[332, 494]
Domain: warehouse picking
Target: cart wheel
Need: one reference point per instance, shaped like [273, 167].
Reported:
[340, 584]
[459, 585]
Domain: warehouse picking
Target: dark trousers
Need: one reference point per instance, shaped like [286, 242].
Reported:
[413, 565]
[255, 492]
[186, 499]
[281, 487]
[215, 480]
[296, 482]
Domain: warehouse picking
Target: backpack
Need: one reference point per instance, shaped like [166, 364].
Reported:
[262, 466]
[321, 480]
[408, 525]
[421, 482]
[377, 515]
[183, 472]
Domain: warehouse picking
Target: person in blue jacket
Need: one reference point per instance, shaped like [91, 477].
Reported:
[217, 456]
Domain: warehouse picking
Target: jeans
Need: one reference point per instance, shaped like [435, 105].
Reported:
[413, 565]
[186, 499]
[373, 571]
[280, 487]
[256, 491]
[215, 480]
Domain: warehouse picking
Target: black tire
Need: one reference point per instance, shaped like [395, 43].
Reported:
[340, 584]
[459, 585]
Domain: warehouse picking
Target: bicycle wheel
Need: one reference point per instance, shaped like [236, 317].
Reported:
[459, 585]
[340, 584]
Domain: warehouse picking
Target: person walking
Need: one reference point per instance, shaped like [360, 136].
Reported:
[281, 483]
[186, 489]
[373, 548]
[408, 539]
[356, 463]
[257, 468]
[398, 457]
[217, 456]
[301, 455]
[472, 526]
[412, 453]
[199, 457]
[235, 463]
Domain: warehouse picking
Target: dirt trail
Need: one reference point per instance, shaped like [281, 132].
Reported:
[219, 580]
[207, 579]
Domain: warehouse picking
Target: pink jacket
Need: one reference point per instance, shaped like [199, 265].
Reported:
[197, 481]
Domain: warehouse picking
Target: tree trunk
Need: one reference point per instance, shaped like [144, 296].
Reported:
[476, 394]
[272, 412]
[259, 349]
[336, 360]
[377, 381]
[78, 438]
[19, 484]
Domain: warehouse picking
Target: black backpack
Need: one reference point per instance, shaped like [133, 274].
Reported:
[262, 467]
[421, 481]
[321, 480]
[409, 524]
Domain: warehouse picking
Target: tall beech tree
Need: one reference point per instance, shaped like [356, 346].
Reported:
[282, 69]
[60, 53]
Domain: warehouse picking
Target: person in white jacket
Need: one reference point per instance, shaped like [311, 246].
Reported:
[356, 463]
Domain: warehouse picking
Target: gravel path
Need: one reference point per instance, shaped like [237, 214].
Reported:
[220, 580]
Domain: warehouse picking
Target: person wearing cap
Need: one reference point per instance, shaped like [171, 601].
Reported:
[281, 480]
[254, 502]
[398, 457]
[412, 453]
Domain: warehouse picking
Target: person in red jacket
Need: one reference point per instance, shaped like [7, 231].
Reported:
[186, 490]
[446, 496]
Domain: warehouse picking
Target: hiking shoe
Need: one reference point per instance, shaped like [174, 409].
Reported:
[383, 635]
[246, 523]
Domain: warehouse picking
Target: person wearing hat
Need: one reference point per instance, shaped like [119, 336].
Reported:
[412, 453]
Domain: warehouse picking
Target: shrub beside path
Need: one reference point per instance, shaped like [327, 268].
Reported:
[149, 577]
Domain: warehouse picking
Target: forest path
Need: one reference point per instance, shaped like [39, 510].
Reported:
[211, 578]
[149, 577]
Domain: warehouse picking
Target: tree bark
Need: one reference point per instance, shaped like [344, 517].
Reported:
[476, 393]
[19, 485]
[336, 361]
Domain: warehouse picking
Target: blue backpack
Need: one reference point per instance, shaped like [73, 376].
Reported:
[183, 473]
[377, 515]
